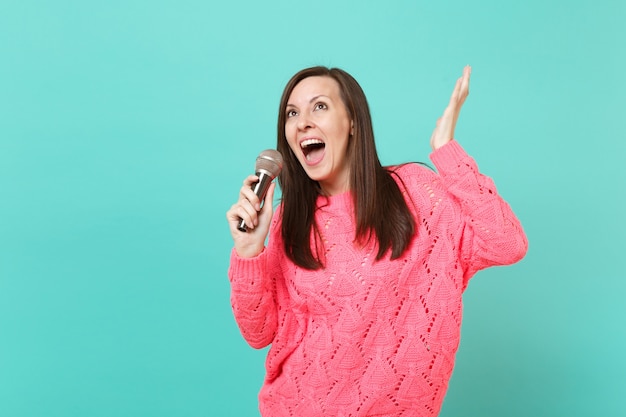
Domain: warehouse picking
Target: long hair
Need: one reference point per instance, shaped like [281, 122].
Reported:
[380, 208]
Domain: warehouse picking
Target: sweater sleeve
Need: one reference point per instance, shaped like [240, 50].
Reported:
[253, 296]
[492, 235]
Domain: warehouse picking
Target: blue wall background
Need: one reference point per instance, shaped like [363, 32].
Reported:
[126, 128]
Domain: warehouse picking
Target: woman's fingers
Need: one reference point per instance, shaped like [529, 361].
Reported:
[461, 89]
[446, 124]
[251, 242]
[247, 206]
[246, 192]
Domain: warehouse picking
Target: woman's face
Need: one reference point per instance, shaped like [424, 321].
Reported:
[318, 129]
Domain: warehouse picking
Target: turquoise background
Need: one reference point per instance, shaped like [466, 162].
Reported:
[126, 128]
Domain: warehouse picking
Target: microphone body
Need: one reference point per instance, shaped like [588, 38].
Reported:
[268, 165]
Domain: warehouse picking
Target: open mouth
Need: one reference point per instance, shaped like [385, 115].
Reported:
[312, 148]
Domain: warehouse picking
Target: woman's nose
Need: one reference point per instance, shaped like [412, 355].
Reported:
[304, 122]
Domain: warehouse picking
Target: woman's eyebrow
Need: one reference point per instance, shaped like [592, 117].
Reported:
[317, 97]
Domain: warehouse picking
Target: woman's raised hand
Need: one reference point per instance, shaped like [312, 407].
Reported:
[248, 208]
[444, 129]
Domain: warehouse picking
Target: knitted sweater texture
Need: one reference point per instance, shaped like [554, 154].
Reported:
[362, 337]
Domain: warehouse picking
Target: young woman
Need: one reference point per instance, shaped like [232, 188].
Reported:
[360, 285]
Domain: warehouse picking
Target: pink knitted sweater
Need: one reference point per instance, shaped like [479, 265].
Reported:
[374, 338]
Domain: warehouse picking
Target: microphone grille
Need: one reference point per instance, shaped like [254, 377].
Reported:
[270, 160]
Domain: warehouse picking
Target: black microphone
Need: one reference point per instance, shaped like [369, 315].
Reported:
[268, 166]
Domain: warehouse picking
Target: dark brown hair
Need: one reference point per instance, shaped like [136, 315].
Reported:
[380, 208]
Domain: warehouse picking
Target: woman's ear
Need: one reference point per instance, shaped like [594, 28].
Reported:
[351, 127]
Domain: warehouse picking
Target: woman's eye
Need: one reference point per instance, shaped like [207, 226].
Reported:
[321, 106]
[291, 113]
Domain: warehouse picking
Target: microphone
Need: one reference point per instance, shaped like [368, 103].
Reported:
[268, 165]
